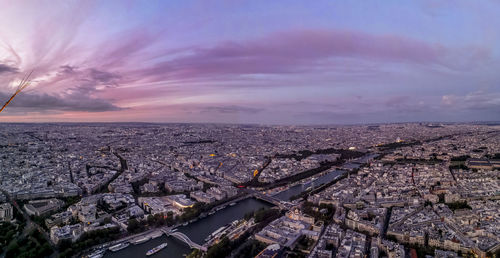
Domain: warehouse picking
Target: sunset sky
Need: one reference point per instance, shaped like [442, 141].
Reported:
[272, 62]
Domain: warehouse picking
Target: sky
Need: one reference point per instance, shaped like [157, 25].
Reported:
[265, 62]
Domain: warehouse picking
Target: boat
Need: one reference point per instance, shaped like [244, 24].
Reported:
[97, 254]
[232, 204]
[156, 249]
[140, 240]
[156, 234]
[211, 213]
[185, 224]
[119, 246]
[218, 230]
[215, 233]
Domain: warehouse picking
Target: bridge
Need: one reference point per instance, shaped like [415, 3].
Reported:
[271, 199]
[180, 236]
[267, 198]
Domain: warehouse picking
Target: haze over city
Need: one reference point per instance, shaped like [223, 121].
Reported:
[293, 62]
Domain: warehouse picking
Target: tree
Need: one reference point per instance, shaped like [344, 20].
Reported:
[12, 249]
[134, 226]
[64, 244]
[458, 205]
[170, 218]
[250, 249]
[150, 220]
[220, 249]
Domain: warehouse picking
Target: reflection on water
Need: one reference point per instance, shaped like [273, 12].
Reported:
[328, 177]
[196, 231]
[297, 189]
[200, 229]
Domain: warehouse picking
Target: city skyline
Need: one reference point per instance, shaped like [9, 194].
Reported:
[251, 62]
[209, 191]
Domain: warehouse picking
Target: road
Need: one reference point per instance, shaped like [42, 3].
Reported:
[249, 193]
[30, 224]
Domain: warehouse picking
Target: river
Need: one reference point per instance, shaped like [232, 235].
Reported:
[356, 163]
[326, 178]
[196, 231]
[200, 229]
[299, 188]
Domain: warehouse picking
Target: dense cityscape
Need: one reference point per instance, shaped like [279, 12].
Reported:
[381, 190]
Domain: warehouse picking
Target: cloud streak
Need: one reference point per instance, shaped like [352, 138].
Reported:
[31, 102]
[231, 109]
[106, 57]
[7, 69]
[310, 50]
[478, 100]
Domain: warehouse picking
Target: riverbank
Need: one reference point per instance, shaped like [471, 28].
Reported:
[196, 231]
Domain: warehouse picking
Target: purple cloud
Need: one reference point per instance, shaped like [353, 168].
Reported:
[478, 100]
[266, 66]
[7, 69]
[103, 77]
[67, 102]
[231, 109]
[308, 50]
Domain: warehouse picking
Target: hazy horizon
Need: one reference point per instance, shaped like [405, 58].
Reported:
[267, 124]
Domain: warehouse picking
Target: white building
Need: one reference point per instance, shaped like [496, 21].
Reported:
[6, 212]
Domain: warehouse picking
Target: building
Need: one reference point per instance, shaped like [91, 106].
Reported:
[69, 232]
[135, 211]
[298, 215]
[6, 212]
[352, 245]
[451, 197]
[156, 205]
[444, 254]
[87, 213]
[369, 220]
[180, 201]
[202, 197]
[3, 198]
[283, 231]
[217, 193]
[43, 207]
[59, 218]
[270, 251]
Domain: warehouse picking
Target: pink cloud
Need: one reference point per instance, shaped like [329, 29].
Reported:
[123, 69]
[303, 51]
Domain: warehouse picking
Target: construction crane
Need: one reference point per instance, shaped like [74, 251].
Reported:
[22, 85]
